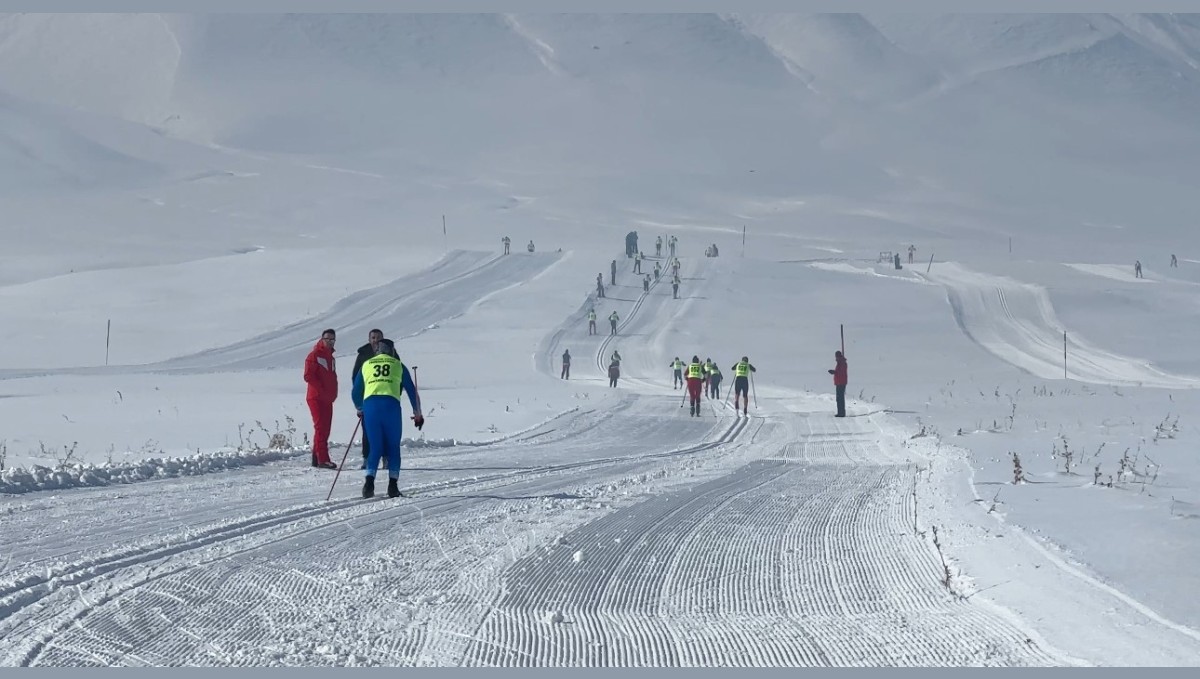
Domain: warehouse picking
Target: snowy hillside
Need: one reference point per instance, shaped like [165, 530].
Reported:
[187, 201]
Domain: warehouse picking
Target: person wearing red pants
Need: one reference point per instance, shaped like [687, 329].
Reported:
[695, 378]
[320, 373]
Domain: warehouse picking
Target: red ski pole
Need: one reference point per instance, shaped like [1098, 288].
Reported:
[339, 469]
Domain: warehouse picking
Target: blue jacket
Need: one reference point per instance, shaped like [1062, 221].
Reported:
[406, 383]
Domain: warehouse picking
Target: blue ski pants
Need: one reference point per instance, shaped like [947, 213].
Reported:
[383, 425]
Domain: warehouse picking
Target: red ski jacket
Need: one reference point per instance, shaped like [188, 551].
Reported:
[320, 373]
[839, 372]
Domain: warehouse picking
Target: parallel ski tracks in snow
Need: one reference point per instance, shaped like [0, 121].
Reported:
[790, 560]
[38, 607]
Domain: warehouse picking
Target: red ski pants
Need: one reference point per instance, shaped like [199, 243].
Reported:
[693, 385]
[322, 414]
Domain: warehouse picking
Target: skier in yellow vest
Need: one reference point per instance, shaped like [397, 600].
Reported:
[741, 383]
[695, 377]
[376, 395]
[677, 367]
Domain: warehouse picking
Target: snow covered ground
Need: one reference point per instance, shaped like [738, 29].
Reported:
[244, 181]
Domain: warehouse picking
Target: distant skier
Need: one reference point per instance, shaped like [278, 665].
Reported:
[677, 367]
[671, 242]
[658, 247]
[612, 321]
[839, 373]
[1174, 262]
[614, 373]
[320, 374]
[530, 246]
[365, 353]
[507, 242]
[615, 358]
[675, 286]
[566, 364]
[741, 383]
[376, 395]
[912, 250]
[646, 283]
[1137, 269]
[592, 321]
[715, 252]
[896, 260]
[695, 378]
[599, 285]
[637, 263]
[612, 275]
[657, 271]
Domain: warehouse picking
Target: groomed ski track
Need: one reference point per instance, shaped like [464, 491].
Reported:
[1016, 322]
[622, 536]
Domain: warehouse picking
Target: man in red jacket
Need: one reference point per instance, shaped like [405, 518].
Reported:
[839, 382]
[320, 373]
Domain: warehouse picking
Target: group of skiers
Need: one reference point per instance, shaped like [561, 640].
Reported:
[379, 377]
[695, 375]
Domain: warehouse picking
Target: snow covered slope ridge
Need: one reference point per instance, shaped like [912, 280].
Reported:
[157, 68]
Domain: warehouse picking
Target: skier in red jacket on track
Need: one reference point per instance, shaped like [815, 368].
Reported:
[320, 373]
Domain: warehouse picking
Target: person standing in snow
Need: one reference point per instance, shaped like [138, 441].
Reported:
[612, 276]
[741, 383]
[1137, 269]
[566, 368]
[376, 395]
[675, 286]
[658, 247]
[530, 246]
[1174, 262]
[614, 373]
[912, 250]
[615, 358]
[599, 285]
[695, 378]
[677, 368]
[320, 374]
[840, 378]
[507, 242]
[671, 242]
[592, 321]
[646, 283]
[366, 352]
[612, 321]
[637, 262]
[657, 271]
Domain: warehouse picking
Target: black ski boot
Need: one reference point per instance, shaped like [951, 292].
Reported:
[393, 489]
[369, 487]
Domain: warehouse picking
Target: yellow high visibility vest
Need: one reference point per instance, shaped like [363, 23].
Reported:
[382, 376]
[695, 370]
[678, 365]
[742, 369]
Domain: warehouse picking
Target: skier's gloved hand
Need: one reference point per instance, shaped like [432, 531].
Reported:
[419, 420]
[830, 372]
[360, 414]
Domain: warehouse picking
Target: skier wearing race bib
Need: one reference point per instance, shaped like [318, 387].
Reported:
[376, 395]
[741, 383]
[695, 378]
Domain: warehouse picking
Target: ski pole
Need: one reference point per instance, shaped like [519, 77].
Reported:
[347, 454]
[416, 390]
[752, 391]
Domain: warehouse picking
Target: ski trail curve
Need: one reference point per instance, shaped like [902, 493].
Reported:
[404, 308]
[1016, 322]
